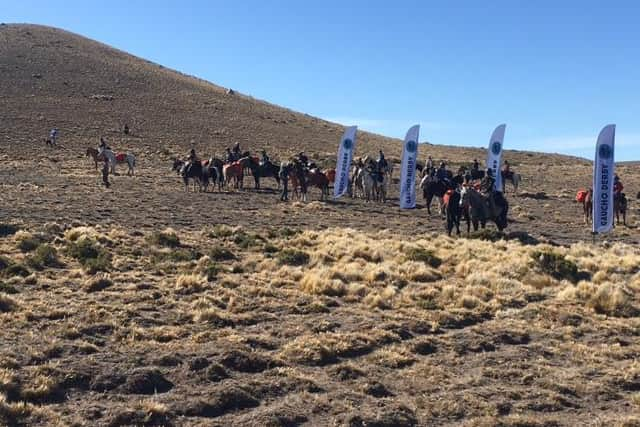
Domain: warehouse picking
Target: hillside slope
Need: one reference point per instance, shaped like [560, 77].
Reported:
[52, 77]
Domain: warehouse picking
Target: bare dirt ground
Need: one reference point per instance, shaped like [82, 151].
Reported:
[250, 311]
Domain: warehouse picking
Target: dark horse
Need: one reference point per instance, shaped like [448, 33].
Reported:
[213, 172]
[187, 171]
[434, 188]
[264, 170]
[480, 208]
[620, 208]
[454, 211]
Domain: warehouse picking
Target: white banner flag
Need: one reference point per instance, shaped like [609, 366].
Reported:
[408, 169]
[603, 172]
[494, 156]
[343, 162]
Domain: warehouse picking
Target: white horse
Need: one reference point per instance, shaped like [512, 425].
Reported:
[114, 159]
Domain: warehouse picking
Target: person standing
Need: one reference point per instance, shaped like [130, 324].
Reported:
[53, 136]
[105, 172]
[284, 178]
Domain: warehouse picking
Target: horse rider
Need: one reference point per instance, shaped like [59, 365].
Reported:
[236, 150]
[302, 158]
[284, 178]
[487, 188]
[617, 186]
[265, 159]
[53, 136]
[476, 165]
[103, 145]
[429, 164]
[383, 165]
[506, 169]
[441, 173]
[229, 155]
[126, 129]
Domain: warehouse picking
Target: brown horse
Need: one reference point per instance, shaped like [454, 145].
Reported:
[620, 208]
[235, 171]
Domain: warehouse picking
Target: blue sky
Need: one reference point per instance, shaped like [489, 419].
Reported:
[555, 71]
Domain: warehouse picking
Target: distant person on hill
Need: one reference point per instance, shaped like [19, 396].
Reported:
[53, 136]
[126, 129]
[103, 145]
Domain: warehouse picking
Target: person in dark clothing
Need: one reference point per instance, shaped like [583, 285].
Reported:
[126, 129]
[236, 150]
[105, 173]
[382, 162]
[284, 179]
[229, 156]
[265, 158]
[302, 158]
[476, 165]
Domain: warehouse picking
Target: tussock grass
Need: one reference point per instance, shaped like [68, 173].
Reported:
[190, 283]
[44, 256]
[7, 304]
[97, 283]
[293, 257]
[167, 238]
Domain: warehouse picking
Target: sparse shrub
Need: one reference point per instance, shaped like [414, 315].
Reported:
[208, 268]
[314, 283]
[176, 255]
[44, 256]
[423, 255]
[7, 304]
[92, 256]
[246, 241]
[14, 270]
[287, 232]
[221, 231]
[221, 254]
[8, 229]
[167, 238]
[96, 284]
[7, 289]
[270, 249]
[28, 243]
[4, 263]
[293, 257]
[556, 265]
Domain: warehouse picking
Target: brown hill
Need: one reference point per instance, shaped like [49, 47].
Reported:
[51, 77]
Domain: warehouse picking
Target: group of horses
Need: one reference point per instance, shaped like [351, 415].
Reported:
[370, 180]
[461, 198]
[225, 174]
[99, 155]
[619, 206]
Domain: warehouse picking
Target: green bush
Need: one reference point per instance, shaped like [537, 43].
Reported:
[246, 241]
[221, 254]
[556, 265]
[91, 256]
[4, 263]
[423, 255]
[211, 271]
[44, 256]
[270, 249]
[7, 289]
[16, 270]
[8, 230]
[177, 255]
[287, 232]
[293, 257]
[164, 238]
[28, 244]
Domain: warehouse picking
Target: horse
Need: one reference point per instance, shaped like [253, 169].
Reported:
[215, 166]
[620, 208]
[480, 208]
[266, 170]
[476, 174]
[234, 171]
[315, 178]
[432, 187]
[513, 178]
[331, 175]
[453, 208]
[370, 184]
[210, 172]
[192, 171]
[119, 158]
[93, 153]
[356, 186]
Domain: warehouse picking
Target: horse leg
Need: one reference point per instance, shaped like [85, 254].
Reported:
[429, 199]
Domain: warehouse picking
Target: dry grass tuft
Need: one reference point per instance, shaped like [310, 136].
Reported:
[97, 283]
[190, 283]
[7, 304]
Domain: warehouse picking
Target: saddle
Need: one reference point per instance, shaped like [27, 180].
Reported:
[121, 157]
